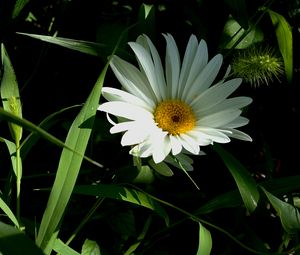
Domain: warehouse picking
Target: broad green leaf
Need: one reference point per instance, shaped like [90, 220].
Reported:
[19, 5]
[61, 248]
[238, 10]
[234, 36]
[90, 247]
[205, 241]
[86, 47]
[69, 166]
[124, 194]
[285, 41]
[4, 207]
[15, 242]
[244, 181]
[10, 93]
[288, 214]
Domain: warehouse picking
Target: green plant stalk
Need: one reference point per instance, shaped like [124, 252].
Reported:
[18, 180]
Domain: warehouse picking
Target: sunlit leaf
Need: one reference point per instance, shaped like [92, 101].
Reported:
[69, 166]
[285, 41]
[288, 214]
[205, 241]
[10, 93]
[124, 194]
[86, 47]
[244, 181]
[4, 207]
[90, 247]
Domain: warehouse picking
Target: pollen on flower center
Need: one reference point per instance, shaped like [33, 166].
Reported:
[174, 116]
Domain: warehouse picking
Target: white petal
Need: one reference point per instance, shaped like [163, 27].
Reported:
[189, 143]
[125, 110]
[219, 119]
[142, 150]
[161, 146]
[204, 79]
[201, 138]
[147, 66]
[230, 103]
[112, 94]
[159, 71]
[240, 135]
[238, 122]
[214, 135]
[195, 59]
[172, 66]
[175, 144]
[132, 79]
[215, 94]
[134, 136]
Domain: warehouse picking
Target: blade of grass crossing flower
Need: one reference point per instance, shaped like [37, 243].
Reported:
[288, 214]
[69, 166]
[285, 41]
[205, 241]
[244, 181]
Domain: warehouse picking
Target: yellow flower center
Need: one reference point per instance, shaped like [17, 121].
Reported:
[174, 116]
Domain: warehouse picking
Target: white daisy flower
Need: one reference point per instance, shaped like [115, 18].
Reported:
[176, 110]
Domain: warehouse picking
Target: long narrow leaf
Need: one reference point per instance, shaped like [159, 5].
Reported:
[244, 181]
[285, 41]
[4, 207]
[69, 166]
[62, 248]
[10, 93]
[86, 47]
[36, 129]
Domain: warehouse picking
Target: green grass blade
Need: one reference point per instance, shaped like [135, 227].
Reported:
[10, 93]
[124, 194]
[86, 47]
[285, 41]
[36, 129]
[205, 241]
[244, 181]
[69, 166]
[4, 207]
[19, 5]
